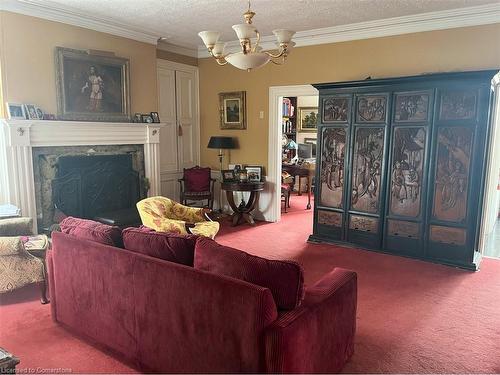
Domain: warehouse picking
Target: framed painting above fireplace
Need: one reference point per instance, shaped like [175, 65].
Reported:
[92, 87]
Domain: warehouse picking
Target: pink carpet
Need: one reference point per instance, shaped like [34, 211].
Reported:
[413, 317]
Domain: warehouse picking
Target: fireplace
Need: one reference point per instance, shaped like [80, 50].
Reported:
[22, 140]
[87, 182]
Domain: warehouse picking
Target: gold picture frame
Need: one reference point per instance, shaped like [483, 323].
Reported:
[232, 107]
[308, 119]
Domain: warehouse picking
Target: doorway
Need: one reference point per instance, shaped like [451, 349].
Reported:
[277, 130]
[489, 240]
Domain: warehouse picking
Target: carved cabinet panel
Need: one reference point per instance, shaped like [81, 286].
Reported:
[332, 167]
[406, 172]
[452, 168]
[366, 169]
[401, 164]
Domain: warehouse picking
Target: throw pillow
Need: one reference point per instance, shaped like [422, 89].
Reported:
[92, 230]
[168, 246]
[284, 278]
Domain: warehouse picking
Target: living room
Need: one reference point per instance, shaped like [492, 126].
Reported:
[142, 224]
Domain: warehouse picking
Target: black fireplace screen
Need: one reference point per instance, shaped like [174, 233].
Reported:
[88, 186]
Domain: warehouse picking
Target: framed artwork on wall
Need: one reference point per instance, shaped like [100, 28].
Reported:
[233, 110]
[308, 119]
[91, 87]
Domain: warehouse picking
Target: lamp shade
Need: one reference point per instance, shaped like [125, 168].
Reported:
[221, 142]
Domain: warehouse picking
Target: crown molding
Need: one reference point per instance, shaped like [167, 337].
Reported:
[70, 17]
[446, 19]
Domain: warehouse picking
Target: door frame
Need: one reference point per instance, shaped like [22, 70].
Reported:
[276, 94]
[491, 178]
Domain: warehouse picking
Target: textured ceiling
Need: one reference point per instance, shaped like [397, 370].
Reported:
[181, 20]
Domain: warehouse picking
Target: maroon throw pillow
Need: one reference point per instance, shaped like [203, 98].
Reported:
[284, 278]
[92, 230]
[197, 179]
[173, 247]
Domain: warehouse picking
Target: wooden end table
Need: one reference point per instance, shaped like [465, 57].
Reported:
[243, 210]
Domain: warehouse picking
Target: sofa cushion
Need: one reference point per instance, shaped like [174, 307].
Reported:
[197, 179]
[173, 247]
[284, 278]
[92, 230]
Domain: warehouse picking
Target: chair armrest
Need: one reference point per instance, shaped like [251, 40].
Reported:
[170, 225]
[317, 337]
[16, 226]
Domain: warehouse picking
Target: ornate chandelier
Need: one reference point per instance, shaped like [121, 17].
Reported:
[251, 56]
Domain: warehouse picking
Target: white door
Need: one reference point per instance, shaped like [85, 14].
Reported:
[179, 135]
[188, 143]
[169, 164]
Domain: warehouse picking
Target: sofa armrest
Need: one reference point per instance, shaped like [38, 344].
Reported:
[318, 336]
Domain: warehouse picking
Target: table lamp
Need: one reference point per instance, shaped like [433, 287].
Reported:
[222, 143]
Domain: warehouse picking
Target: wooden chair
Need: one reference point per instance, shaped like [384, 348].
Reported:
[197, 185]
[285, 195]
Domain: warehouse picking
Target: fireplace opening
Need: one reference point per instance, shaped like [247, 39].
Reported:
[102, 185]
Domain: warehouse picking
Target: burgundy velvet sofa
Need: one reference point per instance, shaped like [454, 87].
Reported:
[163, 316]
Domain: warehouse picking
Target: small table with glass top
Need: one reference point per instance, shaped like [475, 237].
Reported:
[243, 210]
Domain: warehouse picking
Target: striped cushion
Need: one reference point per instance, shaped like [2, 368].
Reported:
[284, 278]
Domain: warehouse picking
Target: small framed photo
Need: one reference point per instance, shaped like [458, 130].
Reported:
[16, 111]
[137, 117]
[254, 173]
[235, 167]
[30, 110]
[147, 119]
[155, 116]
[228, 175]
[39, 113]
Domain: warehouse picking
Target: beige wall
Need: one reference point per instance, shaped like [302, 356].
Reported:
[473, 48]
[27, 58]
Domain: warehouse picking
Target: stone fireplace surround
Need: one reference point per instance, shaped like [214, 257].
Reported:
[19, 137]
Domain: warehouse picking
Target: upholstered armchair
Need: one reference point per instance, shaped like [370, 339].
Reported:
[197, 185]
[17, 266]
[165, 215]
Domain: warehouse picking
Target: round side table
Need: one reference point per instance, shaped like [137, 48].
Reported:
[244, 210]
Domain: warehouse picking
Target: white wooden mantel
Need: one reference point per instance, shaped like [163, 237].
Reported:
[18, 137]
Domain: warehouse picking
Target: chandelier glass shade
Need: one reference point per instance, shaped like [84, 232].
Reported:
[251, 55]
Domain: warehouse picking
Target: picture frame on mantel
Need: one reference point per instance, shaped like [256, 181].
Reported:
[233, 110]
[92, 86]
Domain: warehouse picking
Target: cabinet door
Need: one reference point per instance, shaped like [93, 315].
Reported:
[187, 117]
[405, 188]
[406, 175]
[364, 226]
[167, 112]
[455, 190]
